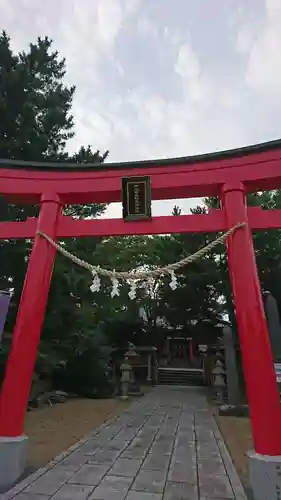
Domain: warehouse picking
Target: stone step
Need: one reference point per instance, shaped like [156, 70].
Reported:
[180, 376]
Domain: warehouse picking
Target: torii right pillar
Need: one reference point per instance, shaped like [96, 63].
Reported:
[259, 373]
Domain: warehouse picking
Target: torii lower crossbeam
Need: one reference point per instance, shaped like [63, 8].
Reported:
[212, 222]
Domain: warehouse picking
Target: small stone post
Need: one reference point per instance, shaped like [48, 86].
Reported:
[154, 369]
[233, 392]
[149, 360]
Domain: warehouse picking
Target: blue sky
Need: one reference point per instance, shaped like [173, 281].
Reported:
[162, 78]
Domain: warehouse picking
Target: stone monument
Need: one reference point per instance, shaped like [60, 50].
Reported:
[233, 391]
[274, 328]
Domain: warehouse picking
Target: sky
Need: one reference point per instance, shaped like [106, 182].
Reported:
[162, 78]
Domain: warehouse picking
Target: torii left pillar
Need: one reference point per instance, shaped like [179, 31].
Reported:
[20, 365]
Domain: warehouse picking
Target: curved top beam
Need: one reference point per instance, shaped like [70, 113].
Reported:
[257, 167]
[184, 160]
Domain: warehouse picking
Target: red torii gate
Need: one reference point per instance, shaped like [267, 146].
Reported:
[228, 175]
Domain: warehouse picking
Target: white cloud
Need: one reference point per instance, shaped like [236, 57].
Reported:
[187, 66]
[110, 15]
[264, 42]
[146, 27]
[246, 38]
[273, 8]
[230, 99]
[159, 208]
[132, 121]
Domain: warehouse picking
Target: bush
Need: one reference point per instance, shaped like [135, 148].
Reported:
[86, 372]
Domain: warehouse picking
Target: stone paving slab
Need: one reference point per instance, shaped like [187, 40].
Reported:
[165, 446]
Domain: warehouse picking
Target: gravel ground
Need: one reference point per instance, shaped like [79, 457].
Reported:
[53, 429]
[238, 438]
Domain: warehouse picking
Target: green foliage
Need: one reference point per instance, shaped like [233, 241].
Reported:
[34, 104]
[196, 299]
[194, 302]
[35, 124]
[268, 245]
[86, 371]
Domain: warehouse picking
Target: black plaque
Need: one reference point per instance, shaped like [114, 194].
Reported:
[136, 198]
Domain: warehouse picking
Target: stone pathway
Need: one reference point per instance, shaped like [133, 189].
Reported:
[166, 446]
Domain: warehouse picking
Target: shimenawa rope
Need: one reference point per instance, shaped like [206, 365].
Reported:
[155, 273]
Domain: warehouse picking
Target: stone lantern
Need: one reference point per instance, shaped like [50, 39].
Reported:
[218, 374]
[134, 388]
[126, 371]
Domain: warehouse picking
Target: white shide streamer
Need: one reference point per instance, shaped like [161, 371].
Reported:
[132, 277]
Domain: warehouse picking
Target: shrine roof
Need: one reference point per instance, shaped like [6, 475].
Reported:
[206, 157]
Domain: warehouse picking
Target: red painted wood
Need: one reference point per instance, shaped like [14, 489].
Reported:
[263, 395]
[263, 219]
[214, 221]
[18, 230]
[257, 171]
[20, 365]
[69, 227]
[251, 172]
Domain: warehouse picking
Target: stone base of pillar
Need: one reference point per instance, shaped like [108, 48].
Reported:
[265, 476]
[13, 455]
